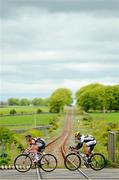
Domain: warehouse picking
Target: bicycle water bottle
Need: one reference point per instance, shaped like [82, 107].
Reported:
[84, 157]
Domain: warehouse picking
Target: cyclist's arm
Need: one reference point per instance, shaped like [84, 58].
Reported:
[31, 144]
[79, 145]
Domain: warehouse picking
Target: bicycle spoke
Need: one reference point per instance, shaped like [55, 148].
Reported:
[97, 162]
[72, 162]
[22, 163]
[48, 162]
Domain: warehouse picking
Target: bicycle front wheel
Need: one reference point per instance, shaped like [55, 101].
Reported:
[97, 161]
[72, 161]
[48, 162]
[23, 163]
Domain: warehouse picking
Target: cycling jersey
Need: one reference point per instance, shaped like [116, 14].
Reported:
[39, 142]
[89, 140]
[86, 138]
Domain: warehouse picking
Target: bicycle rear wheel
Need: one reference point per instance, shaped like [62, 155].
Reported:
[48, 162]
[72, 161]
[23, 163]
[97, 161]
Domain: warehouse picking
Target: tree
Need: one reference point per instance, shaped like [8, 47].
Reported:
[24, 102]
[109, 97]
[6, 135]
[45, 101]
[116, 97]
[13, 101]
[98, 97]
[91, 97]
[37, 101]
[59, 99]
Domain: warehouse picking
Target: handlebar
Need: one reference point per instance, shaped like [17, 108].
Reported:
[71, 148]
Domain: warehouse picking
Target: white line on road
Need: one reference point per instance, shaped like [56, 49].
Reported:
[84, 174]
[80, 171]
[39, 173]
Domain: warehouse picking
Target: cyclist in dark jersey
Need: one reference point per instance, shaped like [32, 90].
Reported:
[35, 145]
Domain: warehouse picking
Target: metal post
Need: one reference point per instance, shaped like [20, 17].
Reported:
[35, 120]
[78, 124]
[2, 145]
[112, 146]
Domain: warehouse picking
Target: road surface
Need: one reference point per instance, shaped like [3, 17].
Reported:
[105, 174]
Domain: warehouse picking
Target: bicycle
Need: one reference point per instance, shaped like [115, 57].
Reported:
[72, 161]
[25, 161]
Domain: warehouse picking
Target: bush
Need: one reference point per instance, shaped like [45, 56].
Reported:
[53, 123]
[87, 118]
[13, 111]
[113, 125]
[20, 147]
[5, 161]
[39, 111]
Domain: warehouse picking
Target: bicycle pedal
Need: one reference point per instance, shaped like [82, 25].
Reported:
[86, 164]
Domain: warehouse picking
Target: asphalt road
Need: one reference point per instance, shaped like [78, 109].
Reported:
[105, 174]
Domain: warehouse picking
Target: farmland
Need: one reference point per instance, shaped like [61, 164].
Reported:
[46, 125]
[22, 109]
[25, 121]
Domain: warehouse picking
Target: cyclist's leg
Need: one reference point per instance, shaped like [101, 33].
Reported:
[85, 148]
[90, 147]
[39, 150]
[34, 150]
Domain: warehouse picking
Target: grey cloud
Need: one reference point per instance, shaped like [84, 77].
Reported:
[39, 38]
[69, 31]
[36, 73]
[14, 8]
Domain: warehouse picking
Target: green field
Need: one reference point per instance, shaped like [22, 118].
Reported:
[23, 124]
[99, 125]
[22, 109]
[25, 121]
[109, 117]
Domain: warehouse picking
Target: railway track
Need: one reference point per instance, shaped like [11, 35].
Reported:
[64, 137]
[58, 145]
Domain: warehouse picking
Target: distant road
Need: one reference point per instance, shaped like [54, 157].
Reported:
[105, 174]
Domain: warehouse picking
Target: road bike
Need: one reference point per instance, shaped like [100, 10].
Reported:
[73, 160]
[26, 160]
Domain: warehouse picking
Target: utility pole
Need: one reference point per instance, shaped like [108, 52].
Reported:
[2, 145]
[35, 120]
[78, 124]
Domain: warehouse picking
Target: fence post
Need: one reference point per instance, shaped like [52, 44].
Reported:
[112, 146]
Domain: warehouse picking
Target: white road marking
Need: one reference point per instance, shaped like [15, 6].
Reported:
[39, 173]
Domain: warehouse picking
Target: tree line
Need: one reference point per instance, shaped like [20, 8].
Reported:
[91, 97]
[98, 97]
[27, 102]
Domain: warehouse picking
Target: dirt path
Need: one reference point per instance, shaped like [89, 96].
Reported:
[59, 147]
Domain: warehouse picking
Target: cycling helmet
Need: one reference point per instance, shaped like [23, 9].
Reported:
[28, 135]
[77, 133]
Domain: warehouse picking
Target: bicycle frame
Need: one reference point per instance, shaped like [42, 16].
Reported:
[96, 161]
[32, 155]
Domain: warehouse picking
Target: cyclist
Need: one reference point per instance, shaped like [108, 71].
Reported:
[87, 142]
[35, 145]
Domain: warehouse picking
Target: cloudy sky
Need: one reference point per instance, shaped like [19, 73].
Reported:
[47, 44]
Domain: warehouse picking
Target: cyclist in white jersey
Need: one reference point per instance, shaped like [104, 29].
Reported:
[86, 141]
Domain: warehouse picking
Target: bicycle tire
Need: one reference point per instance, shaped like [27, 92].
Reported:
[98, 161]
[22, 158]
[48, 162]
[69, 164]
